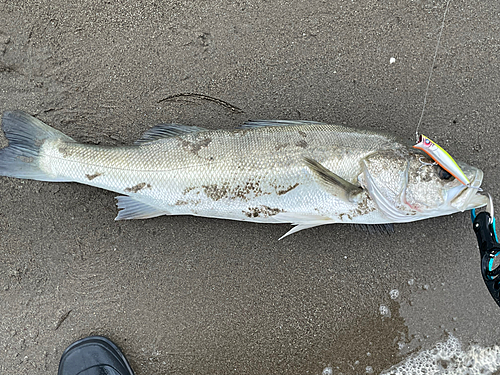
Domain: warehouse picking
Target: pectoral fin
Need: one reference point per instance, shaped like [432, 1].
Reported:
[339, 187]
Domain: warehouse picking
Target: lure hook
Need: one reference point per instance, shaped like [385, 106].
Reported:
[424, 163]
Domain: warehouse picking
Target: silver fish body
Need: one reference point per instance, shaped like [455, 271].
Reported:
[295, 172]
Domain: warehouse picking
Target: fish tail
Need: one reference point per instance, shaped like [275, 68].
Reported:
[26, 134]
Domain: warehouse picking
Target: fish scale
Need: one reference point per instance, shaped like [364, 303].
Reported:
[217, 166]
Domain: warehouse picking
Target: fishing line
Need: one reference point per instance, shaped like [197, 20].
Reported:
[432, 68]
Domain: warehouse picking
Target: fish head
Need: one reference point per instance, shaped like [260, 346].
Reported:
[406, 186]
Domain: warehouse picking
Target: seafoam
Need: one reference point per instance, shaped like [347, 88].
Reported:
[449, 357]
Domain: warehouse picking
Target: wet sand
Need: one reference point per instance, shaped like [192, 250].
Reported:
[187, 295]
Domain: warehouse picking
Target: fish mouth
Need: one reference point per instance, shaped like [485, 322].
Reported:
[464, 198]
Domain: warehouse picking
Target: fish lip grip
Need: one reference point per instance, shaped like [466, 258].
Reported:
[484, 226]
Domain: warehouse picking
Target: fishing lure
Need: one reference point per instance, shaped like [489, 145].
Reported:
[440, 156]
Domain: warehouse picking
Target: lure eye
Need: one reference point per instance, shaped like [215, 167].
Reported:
[443, 174]
[427, 142]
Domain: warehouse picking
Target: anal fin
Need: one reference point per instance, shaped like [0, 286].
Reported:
[131, 208]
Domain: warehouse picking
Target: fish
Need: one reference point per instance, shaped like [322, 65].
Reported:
[268, 171]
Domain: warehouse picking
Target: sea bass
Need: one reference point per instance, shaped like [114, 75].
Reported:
[298, 172]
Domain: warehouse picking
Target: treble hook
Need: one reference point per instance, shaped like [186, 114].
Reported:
[424, 163]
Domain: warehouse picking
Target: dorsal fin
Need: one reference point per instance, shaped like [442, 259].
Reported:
[266, 123]
[165, 131]
[333, 183]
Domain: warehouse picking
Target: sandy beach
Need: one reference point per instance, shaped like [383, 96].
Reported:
[186, 295]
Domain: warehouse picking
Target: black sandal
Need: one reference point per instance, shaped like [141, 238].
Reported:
[94, 355]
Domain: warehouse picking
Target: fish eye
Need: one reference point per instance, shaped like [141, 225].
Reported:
[443, 174]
